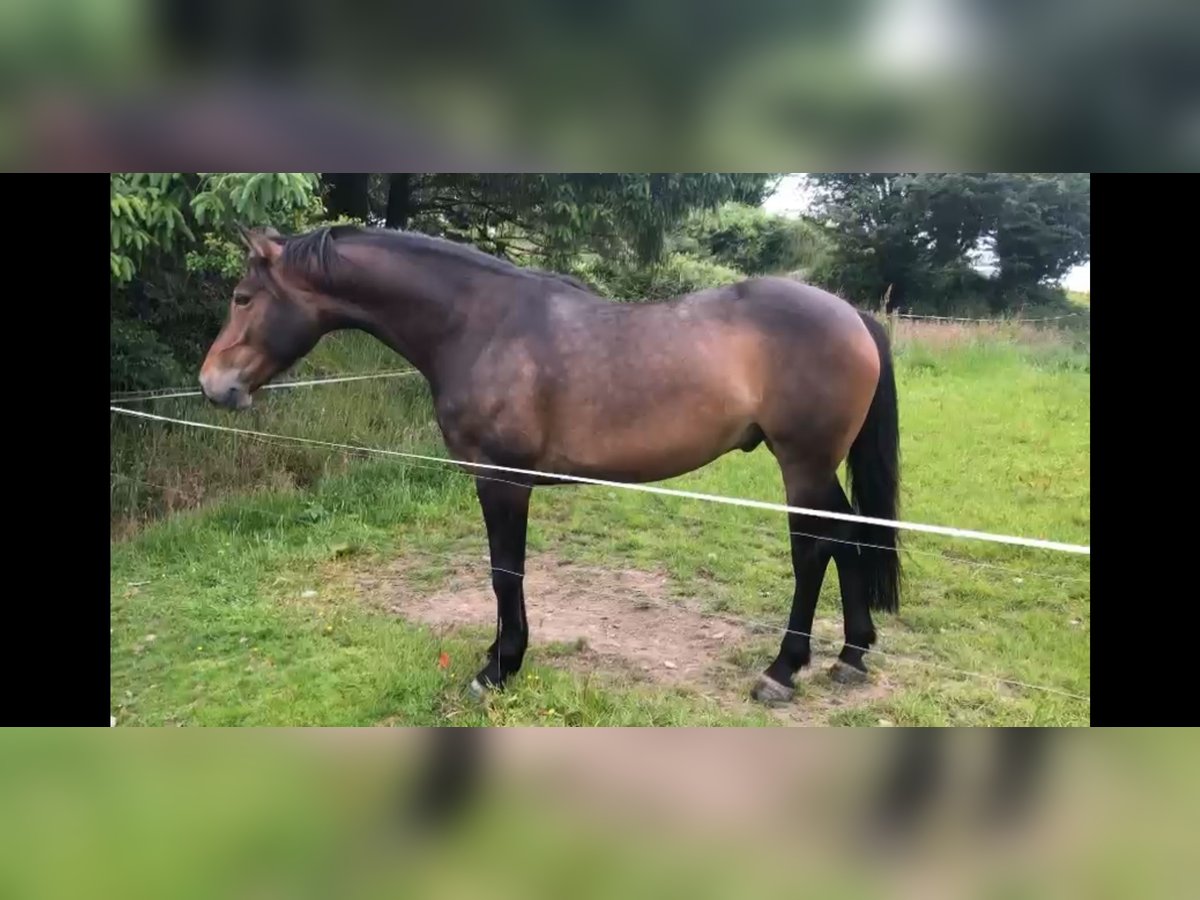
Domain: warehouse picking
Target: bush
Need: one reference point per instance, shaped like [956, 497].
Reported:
[753, 241]
[678, 274]
[847, 278]
[955, 290]
[138, 357]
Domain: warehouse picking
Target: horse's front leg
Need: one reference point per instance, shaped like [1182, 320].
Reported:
[506, 514]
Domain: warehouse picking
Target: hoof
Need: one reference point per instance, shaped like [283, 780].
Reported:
[769, 691]
[844, 673]
[478, 691]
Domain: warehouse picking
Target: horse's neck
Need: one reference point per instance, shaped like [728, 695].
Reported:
[421, 318]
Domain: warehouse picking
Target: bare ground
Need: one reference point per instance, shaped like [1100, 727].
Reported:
[625, 625]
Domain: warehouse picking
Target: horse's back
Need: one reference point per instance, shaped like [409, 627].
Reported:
[781, 302]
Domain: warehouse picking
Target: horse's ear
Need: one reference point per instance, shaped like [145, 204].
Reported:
[263, 243]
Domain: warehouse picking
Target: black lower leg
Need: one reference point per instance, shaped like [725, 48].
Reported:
[856, 612]
[506, 513]
[810, 559]
[860, 631]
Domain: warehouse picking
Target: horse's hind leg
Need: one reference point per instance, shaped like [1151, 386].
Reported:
[859, 629]
[810, 558]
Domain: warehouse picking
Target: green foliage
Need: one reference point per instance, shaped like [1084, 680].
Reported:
[173, 255]
[1043, 227]
[549, 219]
[754, 241]
[875, 235]
[915, 233]
[147, 218]
[219, 255]
[155, 215]
[677, 274]
[139, 357]
[953, 289]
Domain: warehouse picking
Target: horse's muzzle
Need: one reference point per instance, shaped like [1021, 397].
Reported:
[225, 389]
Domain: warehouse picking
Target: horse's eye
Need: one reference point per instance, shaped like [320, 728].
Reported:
[242, 299]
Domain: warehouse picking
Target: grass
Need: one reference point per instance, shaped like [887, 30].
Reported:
[233, 602]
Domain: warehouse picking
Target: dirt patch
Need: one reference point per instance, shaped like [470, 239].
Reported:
[624, 623]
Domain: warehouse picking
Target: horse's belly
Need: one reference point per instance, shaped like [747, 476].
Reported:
[664, 411]
[648, 450]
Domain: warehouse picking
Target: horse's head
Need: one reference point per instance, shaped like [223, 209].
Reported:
[273, 321]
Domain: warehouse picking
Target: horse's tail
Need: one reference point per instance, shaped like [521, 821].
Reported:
[873, 467]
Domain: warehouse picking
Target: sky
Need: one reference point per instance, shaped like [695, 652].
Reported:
[792, 197]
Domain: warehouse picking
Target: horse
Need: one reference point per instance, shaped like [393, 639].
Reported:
[532, 370]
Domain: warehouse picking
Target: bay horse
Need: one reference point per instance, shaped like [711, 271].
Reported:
[532, 370]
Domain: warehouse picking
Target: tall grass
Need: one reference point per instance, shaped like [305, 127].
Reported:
[158, 469]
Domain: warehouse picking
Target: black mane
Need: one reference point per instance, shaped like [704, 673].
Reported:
[314, 252]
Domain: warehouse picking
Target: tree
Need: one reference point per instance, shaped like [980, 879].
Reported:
[547, 219]
[399, 200]
[154, 218]
[958, 210]
[172, 249]
[754, 241]
[910, 235]
[1043, 228]
[346, 194]
[876, 229]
